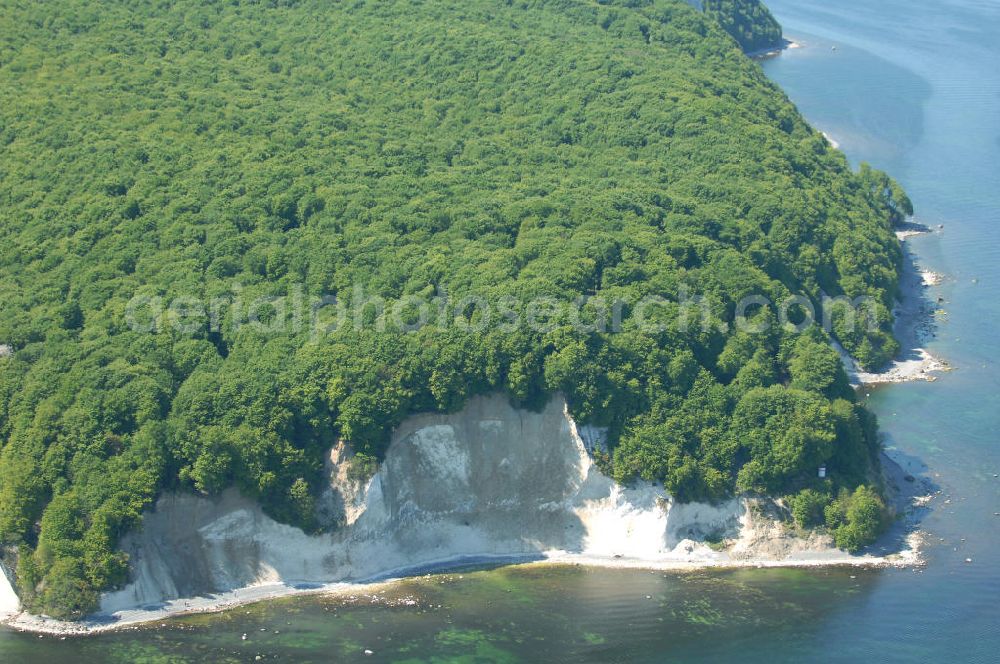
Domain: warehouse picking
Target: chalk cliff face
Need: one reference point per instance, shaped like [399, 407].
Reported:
[8, 598]
[490, 481]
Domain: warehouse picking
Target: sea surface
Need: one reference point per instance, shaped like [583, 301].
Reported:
[914, 89]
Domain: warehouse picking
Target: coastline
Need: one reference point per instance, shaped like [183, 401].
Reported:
[914, 324]
[908, 92]
[221, 602]
[771, 51]
[914, 313]
[899, 548]
[771, 545]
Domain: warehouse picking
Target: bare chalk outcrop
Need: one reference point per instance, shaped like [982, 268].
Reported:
[488, 483]
[9, 603]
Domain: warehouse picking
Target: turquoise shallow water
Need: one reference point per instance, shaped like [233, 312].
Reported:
[913, 88]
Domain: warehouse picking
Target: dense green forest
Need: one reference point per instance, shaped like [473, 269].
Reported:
[749, 22]
[229, 151]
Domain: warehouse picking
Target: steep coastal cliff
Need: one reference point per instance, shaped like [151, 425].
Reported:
[9, 603]
[490, 482]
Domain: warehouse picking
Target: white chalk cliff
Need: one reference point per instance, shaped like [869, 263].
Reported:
[489, 482]
[8, 598]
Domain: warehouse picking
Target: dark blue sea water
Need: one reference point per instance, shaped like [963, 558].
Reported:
[914, 89]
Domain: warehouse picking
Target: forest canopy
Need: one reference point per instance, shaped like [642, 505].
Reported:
[749, 22]
[227, 151]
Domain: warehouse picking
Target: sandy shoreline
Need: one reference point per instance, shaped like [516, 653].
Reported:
[221, 602]
[915, 325]
[914, 313]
